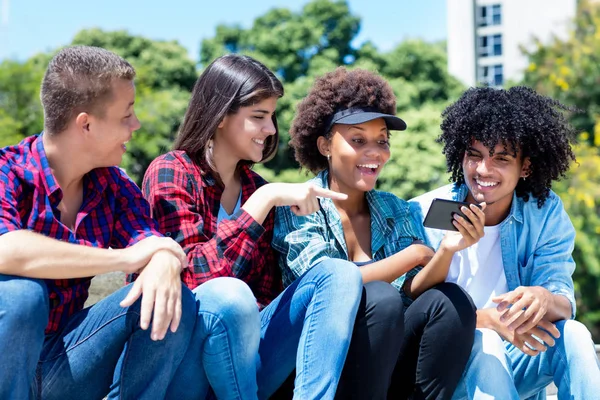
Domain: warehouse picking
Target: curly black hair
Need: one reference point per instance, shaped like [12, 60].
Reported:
[334, 91]
[520, 119]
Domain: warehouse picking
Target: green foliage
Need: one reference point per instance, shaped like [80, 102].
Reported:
[580, 193]
[287, 42]
[21, 113]
[417, 164]
[159, 64]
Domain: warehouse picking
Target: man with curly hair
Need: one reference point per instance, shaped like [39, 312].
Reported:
[505, 148]
[341, 133]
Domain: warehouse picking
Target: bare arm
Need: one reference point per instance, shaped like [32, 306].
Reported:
[469, 233]
[433, 273]
[301, 197]
[390, 268]
[29, 254]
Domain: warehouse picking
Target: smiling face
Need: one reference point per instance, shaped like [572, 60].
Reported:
[109, 132]
[357, 154]
[493, 178]
[242, 135]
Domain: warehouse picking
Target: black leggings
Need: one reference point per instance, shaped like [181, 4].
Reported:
[439, 331]
[375, 344]
[374, 347]
[434, 337]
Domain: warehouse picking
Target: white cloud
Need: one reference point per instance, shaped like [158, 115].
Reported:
[4, 11]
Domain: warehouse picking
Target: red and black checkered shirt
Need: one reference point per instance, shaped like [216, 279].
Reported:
[113, 214]
[185, 200]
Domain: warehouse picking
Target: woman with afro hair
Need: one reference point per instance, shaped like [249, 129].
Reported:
[505, 148]
[341, 133]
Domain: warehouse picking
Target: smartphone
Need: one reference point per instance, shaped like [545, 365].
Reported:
[441, 214]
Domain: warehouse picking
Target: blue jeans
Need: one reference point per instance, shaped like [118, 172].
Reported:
[100, 351]
[308, 327]
[223, 352]
[498, 370]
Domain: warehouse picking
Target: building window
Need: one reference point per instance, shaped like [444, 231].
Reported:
[489, 15]
[490, 45]
[491, 75]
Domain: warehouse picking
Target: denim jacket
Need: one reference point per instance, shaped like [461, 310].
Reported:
[302, 242]
[537, 243]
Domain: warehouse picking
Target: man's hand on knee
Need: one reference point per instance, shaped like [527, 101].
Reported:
[159, 284]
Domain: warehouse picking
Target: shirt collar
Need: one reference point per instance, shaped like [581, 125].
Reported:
[51, 186]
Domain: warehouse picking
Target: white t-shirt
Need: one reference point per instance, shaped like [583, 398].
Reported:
[479, 269]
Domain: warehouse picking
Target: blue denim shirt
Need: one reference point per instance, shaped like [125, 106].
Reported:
[302, 242]
[537, 243]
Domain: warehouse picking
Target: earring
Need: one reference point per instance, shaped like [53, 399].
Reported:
[524, 178]
[210, 144]
[328, 157]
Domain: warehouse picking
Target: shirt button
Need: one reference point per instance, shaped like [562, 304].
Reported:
[510, 222]
[168, 234]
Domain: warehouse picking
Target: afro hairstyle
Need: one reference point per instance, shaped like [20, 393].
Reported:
[520, 119]
[335, 91]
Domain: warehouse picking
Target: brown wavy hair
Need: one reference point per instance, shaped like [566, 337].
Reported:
[227, 84]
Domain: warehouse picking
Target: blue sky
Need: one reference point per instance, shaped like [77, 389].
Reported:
[31, 26]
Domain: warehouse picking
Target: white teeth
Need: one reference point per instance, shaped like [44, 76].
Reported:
[486, 184]
[368, 165]
[258, 141]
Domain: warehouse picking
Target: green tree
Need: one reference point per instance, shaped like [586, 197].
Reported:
[424, 65]
[580, 193]
[417, 164]
[21, 113]
[159, 64]
[287, 42]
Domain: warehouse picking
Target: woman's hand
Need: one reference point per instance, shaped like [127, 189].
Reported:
[469, 230]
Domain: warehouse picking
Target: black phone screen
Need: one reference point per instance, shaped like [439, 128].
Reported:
[441, 214]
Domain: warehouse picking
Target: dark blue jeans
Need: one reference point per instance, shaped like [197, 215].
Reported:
[101, 350]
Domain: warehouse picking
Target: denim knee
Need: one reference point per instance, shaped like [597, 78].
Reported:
[230, 299]
[574, 336]
[24, 304]
[345, 273]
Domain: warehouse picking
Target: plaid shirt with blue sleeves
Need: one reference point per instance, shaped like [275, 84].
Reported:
[302, 242]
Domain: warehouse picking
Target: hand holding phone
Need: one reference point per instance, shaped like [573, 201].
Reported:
[441, 214]
[464, 220]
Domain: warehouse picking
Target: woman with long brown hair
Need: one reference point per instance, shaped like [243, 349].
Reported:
[205, 195]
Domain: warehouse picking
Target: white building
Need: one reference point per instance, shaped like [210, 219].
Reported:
[485, 36]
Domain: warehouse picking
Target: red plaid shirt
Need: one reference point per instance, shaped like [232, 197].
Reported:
[185, 201]
[113, 214]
